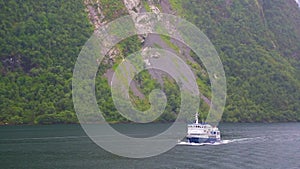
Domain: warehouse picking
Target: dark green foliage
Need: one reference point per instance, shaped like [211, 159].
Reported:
[258, 42]
[112, 9]
[40, 41]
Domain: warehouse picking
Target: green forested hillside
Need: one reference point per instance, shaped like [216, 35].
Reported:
[40, 41]
[258, 42]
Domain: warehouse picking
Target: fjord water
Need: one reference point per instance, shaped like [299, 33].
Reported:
[67, 146]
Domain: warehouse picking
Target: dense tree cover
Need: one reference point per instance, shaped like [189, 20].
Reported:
[258, 42]
[40, 41]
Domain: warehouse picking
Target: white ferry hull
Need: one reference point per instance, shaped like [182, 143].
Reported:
[202, 140]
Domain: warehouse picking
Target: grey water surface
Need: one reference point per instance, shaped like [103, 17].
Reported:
[266, 146]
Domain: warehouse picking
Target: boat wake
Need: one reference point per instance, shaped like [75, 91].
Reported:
[218, 143]
[202, 144]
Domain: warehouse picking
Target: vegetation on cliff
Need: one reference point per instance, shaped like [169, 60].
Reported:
[258, 42]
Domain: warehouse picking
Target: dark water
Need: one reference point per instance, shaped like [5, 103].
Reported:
[66, 146]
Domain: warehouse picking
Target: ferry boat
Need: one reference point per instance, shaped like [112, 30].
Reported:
[202, 132]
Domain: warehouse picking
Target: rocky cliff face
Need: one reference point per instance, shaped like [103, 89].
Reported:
[257, 41]
[133, 6]
[94, 12]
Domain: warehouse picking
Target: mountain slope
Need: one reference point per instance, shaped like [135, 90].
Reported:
[259, 47]
[40, 41]
[258, 42]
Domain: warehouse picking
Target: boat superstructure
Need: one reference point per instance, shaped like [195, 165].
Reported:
[202, 132]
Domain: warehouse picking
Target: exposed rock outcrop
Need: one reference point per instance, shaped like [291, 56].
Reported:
[133, 6]
[94, 12]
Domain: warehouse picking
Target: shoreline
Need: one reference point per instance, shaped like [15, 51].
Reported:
[112, 123]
